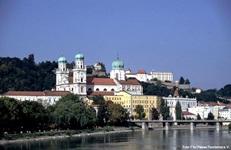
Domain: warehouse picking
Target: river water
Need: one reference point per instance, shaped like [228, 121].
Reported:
[175, 139]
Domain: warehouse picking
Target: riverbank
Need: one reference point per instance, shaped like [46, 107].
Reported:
[40, 136]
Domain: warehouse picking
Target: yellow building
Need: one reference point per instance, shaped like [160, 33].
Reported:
[130, 102]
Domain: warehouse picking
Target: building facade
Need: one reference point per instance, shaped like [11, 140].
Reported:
[130, 101]
[141, 75]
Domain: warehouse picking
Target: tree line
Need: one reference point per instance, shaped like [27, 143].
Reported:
[68, 113]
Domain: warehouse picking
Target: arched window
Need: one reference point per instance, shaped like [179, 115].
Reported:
[97, 89]
[112, 90]
[117, 75]
[81, 89]
[89, 89]
[105, 89]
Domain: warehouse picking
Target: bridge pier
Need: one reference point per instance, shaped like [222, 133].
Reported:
[192, 126]
[218, 126]
[144, 125]
[166, 126]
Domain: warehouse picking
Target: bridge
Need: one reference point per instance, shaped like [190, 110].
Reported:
[166, 123]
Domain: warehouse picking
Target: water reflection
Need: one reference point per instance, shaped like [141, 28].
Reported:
[139, 140]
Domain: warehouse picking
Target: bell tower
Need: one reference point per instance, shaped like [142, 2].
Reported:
[79, 76]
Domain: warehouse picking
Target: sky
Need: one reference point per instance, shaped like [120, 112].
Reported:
[191, 38]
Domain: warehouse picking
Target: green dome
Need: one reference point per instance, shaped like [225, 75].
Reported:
[79, 56]
[117, 65]
[62, 60]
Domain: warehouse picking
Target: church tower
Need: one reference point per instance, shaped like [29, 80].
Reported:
[79, 76]
[117, 71]
[62, 74]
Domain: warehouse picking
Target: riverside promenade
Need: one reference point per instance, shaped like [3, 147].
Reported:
[168, 123]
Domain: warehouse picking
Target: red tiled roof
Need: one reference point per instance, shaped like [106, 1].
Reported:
[99, 93]
[100, 81]
[36, 93]
[130, 81]
[56, 93]
[25, 93]
[141, 72]
[185, 113]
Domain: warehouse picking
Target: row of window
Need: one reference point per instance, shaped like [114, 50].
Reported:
[113, 98]
[99, 90]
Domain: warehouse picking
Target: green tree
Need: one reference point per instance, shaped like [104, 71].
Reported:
[34, 115]
[14, 115]
[3, 117]
[116, 114]
[98, 100]
[102, 110]
[155, 114]
[198, 117]
[139, 112]
[210, 116]
[181, 81]
[164, 109]
[187, 81]
[159, 90]
[70, 112]
[178, 111]
[91, 116]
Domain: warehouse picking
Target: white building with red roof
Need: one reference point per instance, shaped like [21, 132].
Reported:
[142, 75]
[47, 98]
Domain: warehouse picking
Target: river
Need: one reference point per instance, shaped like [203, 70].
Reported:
[175, 139]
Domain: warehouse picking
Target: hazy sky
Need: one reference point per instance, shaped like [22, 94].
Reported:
[191, 38]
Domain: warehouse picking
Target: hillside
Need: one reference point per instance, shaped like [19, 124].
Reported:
[26, 75]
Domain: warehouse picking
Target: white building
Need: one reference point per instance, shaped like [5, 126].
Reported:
[47, 98]
[225, 113]
[141, 75]
[185, 103]
[203, 111]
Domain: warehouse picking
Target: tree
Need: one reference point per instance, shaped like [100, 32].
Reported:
[181, 81]
[164, 109]
[3, 117]
[178, 111]
[187, 81]
[139, 112]
[13, 117]
[210, 116]
[155, 114]
[98, 100]
[159, 90]
[116, 114]
[34, 115]
[91, 116]
[70, 113]
[198, 117]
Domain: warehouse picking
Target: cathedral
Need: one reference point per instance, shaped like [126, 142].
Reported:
[75, 79]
